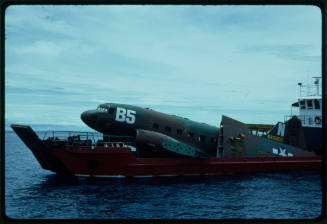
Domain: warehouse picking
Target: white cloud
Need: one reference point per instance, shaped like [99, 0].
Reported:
[54, 48]
[41, 48]
[228, 57]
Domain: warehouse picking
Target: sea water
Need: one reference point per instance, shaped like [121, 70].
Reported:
[34, 193]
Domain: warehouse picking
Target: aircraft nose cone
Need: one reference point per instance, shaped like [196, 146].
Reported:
[89, 118]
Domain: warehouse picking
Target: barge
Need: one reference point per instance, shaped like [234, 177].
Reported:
[88, 155]
[139, 142]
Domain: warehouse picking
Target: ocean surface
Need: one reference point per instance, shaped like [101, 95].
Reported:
[34, 193]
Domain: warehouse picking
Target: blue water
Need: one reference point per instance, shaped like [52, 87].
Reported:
[34, 193]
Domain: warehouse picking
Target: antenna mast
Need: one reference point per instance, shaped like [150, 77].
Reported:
[300, 85]
[316, 82]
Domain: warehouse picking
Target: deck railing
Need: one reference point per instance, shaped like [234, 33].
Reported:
[305, 120]
[259, 129]
[95, 138]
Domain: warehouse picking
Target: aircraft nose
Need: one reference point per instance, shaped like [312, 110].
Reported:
[89, 117]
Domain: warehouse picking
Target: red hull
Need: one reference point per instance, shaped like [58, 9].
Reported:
[121, 162]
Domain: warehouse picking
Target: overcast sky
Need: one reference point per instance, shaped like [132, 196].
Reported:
[194, 61]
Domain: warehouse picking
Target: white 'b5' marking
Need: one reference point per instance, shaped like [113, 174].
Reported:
[122, 116]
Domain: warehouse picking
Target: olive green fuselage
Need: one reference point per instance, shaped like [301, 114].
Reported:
[123, 119]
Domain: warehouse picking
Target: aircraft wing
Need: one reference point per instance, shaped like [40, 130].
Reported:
[184, 149]
[156, 139]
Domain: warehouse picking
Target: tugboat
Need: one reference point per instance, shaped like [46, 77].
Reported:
[139, 142]
[310, 114]
[306, 125]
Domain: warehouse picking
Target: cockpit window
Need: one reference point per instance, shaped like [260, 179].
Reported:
[111, 110]
[101, 108]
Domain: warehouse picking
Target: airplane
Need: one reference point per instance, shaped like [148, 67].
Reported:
[162, 135]
[157, 134]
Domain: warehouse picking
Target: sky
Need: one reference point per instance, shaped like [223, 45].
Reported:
[198, 62]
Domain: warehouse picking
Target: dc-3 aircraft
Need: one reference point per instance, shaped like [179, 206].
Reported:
[161, 135]
[157, 134]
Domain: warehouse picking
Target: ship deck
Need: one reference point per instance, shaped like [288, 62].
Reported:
[85, 155]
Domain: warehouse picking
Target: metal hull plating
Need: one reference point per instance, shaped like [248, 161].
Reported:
[117, 160]
[121, 162]
[313, 137]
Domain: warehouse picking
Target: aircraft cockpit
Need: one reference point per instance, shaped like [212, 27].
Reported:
[101, 108]
[106, 108]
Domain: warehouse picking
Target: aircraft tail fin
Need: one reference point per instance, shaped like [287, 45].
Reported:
[290, 132]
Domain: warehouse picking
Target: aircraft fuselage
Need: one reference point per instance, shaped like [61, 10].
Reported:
[124, 119]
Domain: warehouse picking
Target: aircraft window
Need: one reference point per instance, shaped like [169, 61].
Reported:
[302, 103]
[155, 125]
[168, 128]
[190, 134]
[309, 102]
[111, 110]
[317, 105]
[202, 138]
[100, 108]
[179, 131]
